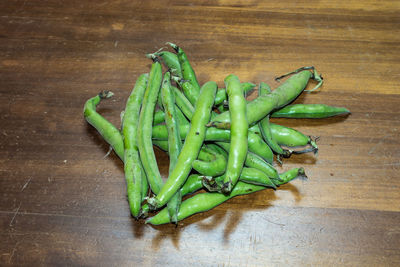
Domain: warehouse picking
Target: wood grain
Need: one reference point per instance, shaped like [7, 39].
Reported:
[63, 203]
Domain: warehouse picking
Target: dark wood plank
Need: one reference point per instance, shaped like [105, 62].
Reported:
[63, 203]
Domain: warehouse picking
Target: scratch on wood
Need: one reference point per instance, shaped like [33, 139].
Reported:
[15, 214]
[378, 144]
[13, 251]
[26, 184]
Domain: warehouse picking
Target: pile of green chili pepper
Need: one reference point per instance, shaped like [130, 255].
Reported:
[216, 139]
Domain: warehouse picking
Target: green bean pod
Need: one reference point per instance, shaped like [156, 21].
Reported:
[239, 130]
[106, 129]
[258, 146]
[134, 173]
[190, 150]
[180, 117]
[185, 108]
[158, 117]
[174, 140]
[221, 93]
[188, 74]
[255, 142]
[264, 89]
[144, 134]
[183, 103]
[171, 61]
[203, 202]
[256, 177]
[309, 111]
[211, 160]
[248, 175]
[290, 175]
[256, 162]
[193, 183]
[281, 96]
[210, 167]
[222, 108]
[104, 126]
[292, 138]
[189, 90]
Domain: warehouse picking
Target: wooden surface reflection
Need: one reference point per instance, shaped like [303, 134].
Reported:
[62, 202]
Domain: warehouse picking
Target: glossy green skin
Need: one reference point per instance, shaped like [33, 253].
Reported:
[309, 111]
[248, 175]
[158, 117]
[106, 129]
[281, 96]
[221, 93]
[214, 166]
[168, 102]
[222, 108]
[183, 103]
[288, 137]
[203, 202]
[254, 139]
[180, 117]
[134, 174]
[191, 147]
[209, 160]
[188, 73]
[190, 87]
[264, 89]
[189, 91]
[255, 176]
[171, 61]
[255, 161]
[193, 183]
[239, 129]
[144, 133]
[259, 147]
[174, 140]
[290, 175]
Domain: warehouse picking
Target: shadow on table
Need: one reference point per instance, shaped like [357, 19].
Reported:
[234, 210]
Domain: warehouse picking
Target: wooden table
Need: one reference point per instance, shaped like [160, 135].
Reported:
[62, 202]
